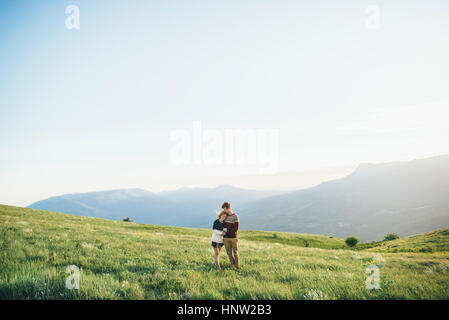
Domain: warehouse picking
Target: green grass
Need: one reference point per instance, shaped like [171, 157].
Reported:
[435, 241]
[123, 260]
[293, 239]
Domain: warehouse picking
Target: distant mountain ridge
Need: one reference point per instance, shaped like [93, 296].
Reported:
[187, 207]
[403, 197]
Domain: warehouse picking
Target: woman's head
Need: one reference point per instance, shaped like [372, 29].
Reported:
[221, 215]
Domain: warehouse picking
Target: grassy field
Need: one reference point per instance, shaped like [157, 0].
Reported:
[123, 260]
[427, 242]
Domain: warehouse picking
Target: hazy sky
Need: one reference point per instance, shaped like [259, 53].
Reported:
[94, 108]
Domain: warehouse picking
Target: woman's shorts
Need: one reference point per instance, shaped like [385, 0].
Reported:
[215, 244]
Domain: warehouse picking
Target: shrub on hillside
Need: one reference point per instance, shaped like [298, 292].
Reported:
[391, 236]
[127, 219]
[352, 241]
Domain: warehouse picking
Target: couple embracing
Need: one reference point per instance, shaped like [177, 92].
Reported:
[224, 232]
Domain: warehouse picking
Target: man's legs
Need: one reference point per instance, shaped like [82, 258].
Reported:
[228, 246]
[235, 252]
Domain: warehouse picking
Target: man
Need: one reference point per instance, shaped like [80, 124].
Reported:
[230, 238]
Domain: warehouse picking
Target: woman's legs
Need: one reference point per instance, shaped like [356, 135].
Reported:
[217, 257]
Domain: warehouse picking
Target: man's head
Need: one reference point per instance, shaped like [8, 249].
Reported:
[226, 207]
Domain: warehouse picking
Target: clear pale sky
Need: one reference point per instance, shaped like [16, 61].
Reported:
[93, 109]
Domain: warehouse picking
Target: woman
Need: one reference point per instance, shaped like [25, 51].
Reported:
[218, 231]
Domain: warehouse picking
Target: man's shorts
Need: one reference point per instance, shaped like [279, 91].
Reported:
[215, 244]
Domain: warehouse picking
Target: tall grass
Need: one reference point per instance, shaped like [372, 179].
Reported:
[125, 260]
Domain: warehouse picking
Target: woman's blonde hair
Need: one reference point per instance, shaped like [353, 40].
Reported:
[220, 214]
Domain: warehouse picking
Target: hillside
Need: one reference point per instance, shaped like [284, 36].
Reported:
[122, 260]
[435, 241]
[401, 197]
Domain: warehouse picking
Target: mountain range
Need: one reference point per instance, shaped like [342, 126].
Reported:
[185, 207]
[402, 197]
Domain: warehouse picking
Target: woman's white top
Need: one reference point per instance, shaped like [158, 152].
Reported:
[217, 236]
